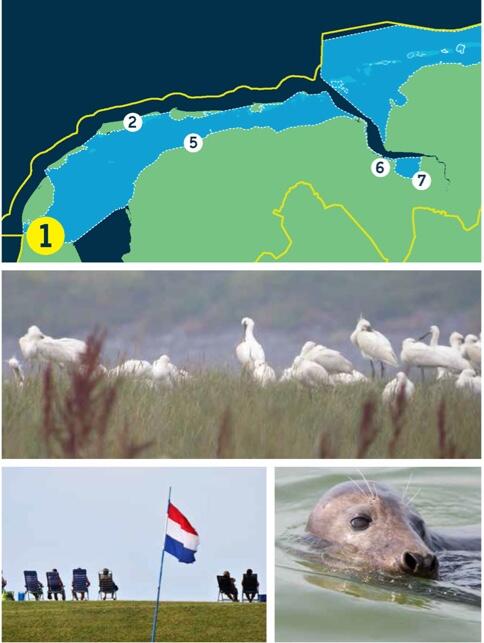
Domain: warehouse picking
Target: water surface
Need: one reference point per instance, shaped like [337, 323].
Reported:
[314, 603]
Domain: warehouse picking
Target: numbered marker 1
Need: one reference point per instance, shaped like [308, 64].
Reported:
[193, 143]
[380, 168]
[45, 235]
[132, 122]
[421, 180]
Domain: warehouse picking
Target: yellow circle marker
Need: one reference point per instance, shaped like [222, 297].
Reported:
[45, 235]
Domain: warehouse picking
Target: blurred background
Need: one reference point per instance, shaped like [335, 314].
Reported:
[195, 316]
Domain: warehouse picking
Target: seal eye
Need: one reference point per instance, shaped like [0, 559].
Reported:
[360, 522]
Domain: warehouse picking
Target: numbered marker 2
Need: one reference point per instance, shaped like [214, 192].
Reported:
[380, 168]
[193, 143]
[421, 180]
[132, 122]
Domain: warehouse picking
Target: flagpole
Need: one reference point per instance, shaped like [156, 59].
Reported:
[155, 615]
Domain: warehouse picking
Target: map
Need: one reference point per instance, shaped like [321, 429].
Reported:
[375, 157]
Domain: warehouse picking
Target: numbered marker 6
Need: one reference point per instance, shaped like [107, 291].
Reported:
[380, 168]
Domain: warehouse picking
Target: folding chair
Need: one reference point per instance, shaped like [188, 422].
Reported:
[80, 582]
[33, 585]
[107, 586]
[250, 585]
[55, 585]
[224, 586]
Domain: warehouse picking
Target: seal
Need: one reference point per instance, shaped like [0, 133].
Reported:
[367, 525]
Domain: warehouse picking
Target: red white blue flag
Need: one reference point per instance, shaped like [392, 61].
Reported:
[181, 538]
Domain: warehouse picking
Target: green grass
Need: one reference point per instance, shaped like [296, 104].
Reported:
[131, 621]
[280, 421]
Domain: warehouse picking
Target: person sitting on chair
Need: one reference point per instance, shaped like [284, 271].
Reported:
[233, 592]
[107, 575]
[62, 591]
[83, 594]
[249, 579]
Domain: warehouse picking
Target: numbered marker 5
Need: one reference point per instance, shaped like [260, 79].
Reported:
[193, 142]
[421, 180]
[132, 122]
[380, 168]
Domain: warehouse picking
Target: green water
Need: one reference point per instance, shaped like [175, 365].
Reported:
[314, 605]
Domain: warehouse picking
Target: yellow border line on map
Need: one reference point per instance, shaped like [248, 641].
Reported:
[278, 212]
[312, 78]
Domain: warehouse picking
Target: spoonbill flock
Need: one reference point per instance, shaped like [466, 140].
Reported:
[314, 367]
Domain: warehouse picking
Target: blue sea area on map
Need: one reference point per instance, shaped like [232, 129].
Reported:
[368, 68]
[100, 178]
[407, 167]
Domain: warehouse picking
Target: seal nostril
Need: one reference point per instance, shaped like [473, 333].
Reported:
[410, 561]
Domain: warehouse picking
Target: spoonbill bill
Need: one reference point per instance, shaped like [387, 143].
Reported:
[249, 351]
[373, 345]
[263, 373]
[400, 385]
[468, 380]
[333, 361]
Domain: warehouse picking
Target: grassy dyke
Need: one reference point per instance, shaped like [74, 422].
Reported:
[131, 621]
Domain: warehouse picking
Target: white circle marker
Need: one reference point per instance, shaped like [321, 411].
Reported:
[380, 168]
[421, 180]
[193, 143]
[132, 122]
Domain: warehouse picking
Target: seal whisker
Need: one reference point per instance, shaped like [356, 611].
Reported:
[410, 500]
[372, 491]
[357, 485]
[405, 491]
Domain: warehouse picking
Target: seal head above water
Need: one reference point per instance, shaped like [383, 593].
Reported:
[370, 526]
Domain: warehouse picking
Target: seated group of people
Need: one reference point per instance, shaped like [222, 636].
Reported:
[250, 586]
[56, 587]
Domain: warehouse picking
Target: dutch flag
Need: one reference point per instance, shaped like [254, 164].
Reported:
[181, 538]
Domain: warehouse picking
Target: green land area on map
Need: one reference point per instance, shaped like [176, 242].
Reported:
[222, 203]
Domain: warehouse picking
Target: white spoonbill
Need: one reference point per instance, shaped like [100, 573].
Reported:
[29, 343]
[249, 350]
[471, 350]
[166, 372]
[287, 375]
[401, 385]
[17, 371]
[139, 368]
[263, 373]
[333, 361]
[36, 345]
[309, 373]
[349, 378]
[469, 381]
[456, 341]
[416, 353]
[373, 345]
